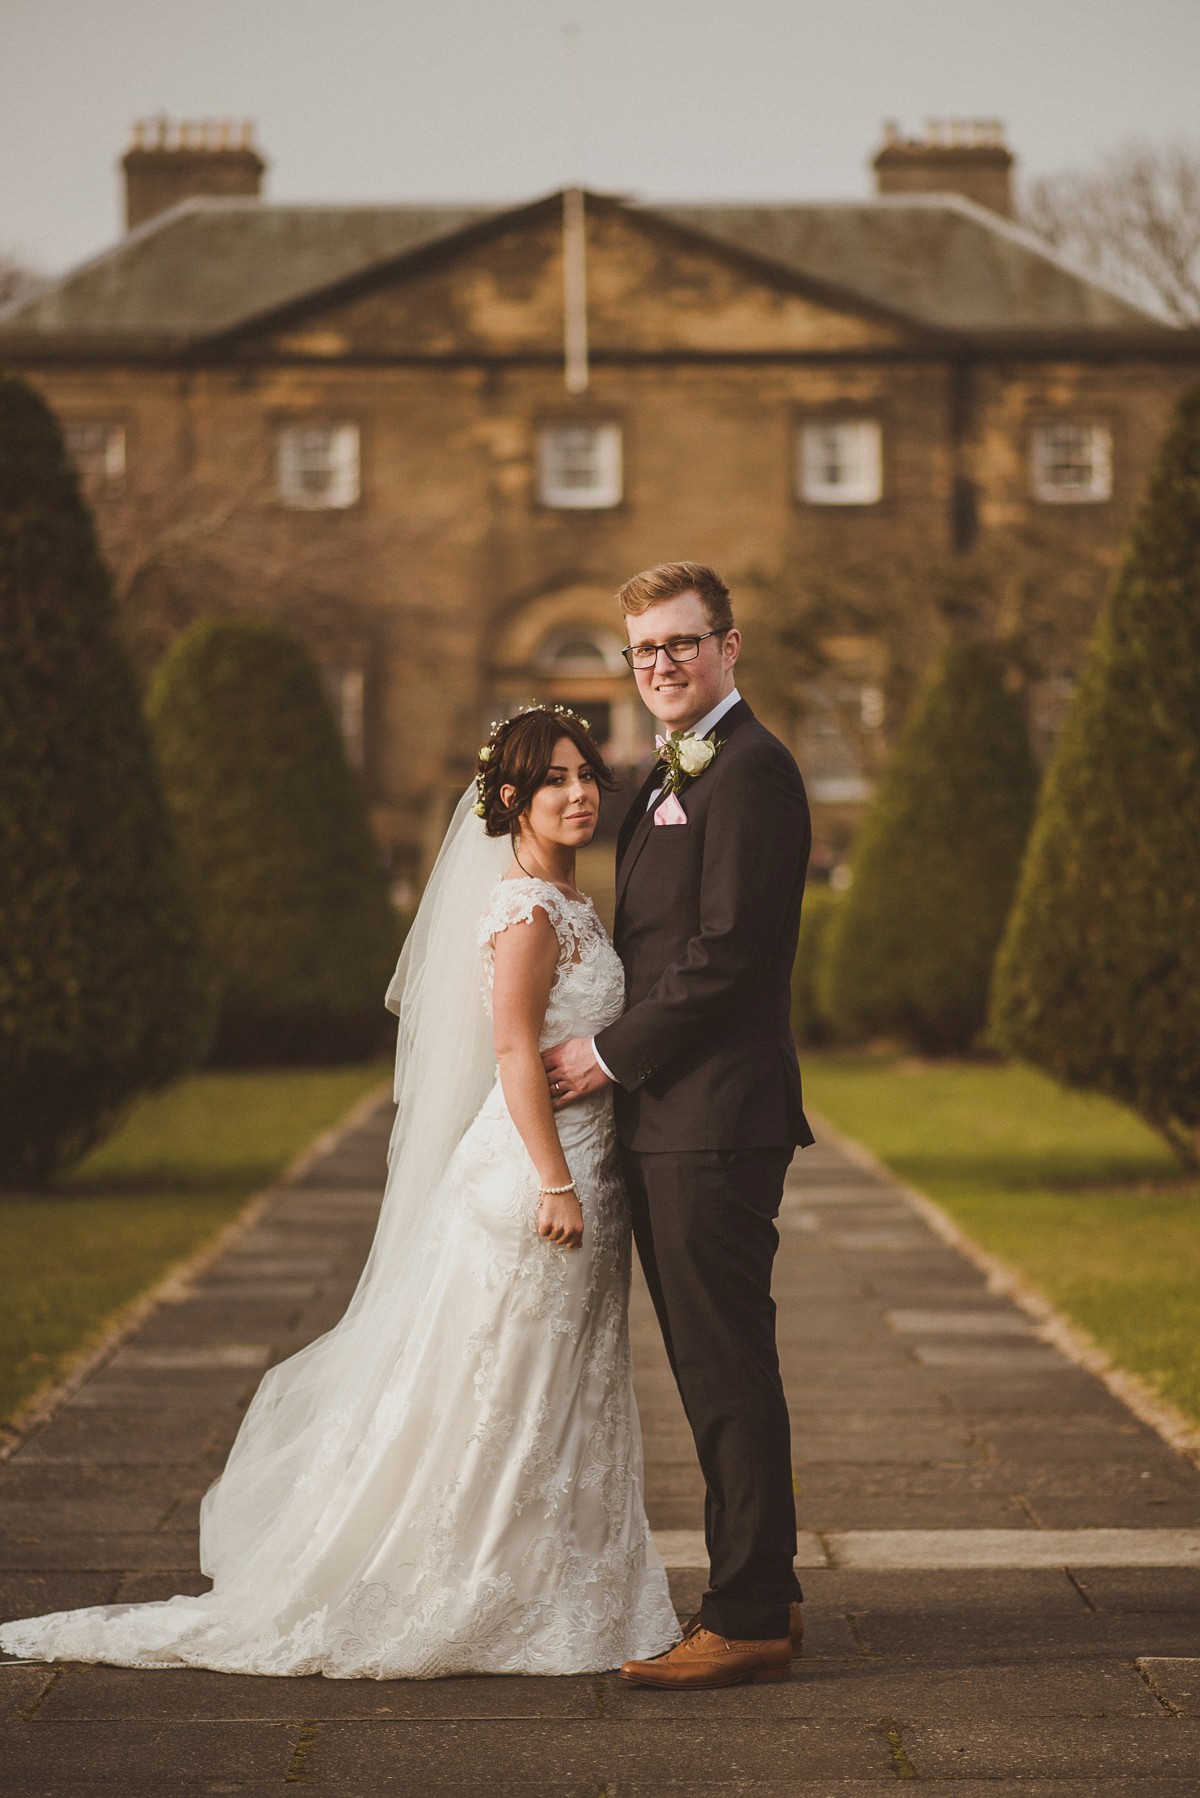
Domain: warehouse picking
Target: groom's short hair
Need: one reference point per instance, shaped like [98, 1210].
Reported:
[668, 581]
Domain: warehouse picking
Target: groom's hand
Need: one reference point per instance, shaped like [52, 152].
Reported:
[573, 1071]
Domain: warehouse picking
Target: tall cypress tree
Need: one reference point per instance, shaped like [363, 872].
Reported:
[273, 826]
[1098, 980]
[934, 868]
[811, 1024]
[103, 991]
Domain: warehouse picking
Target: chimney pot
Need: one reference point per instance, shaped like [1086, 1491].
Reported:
[959, 156]
[198, 157]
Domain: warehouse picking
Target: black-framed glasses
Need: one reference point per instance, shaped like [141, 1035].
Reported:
[678, 649]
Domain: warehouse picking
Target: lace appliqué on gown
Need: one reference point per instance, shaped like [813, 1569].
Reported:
[489, 1517]
[589, 981]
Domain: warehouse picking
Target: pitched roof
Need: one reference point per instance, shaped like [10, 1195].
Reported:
[938, 259]
[208, 265]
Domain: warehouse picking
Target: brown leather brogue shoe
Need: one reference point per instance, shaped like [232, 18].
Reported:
[796, 1627]
[703, 1660]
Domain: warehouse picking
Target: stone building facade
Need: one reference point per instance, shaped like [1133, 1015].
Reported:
[356, 418]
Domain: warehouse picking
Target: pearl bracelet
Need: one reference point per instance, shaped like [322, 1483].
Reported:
[569, 1187]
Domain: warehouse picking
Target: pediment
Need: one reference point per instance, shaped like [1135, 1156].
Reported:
[654, 289]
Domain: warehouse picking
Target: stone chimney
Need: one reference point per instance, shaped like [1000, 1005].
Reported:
[956, 156]
[168, 163]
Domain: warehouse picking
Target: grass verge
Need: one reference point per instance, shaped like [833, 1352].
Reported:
[1069, 1188]
[177, 1170]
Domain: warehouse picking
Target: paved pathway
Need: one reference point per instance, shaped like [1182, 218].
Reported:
[977, 1515]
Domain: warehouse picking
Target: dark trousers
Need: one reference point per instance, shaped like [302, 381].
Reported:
[704, 1225]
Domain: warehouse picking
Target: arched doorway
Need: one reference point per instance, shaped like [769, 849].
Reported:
[566, 647]
[578, 657]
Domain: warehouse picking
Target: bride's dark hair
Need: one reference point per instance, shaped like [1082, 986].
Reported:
[519, 753]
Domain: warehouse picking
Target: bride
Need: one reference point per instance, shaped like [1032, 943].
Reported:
[449, 1482]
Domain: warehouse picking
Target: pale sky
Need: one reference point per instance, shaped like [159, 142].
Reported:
[394, 100]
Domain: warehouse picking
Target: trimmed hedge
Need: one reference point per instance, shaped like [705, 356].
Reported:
[936, 862]
[811, 1023]
[273, 826]
[103, 991]
[1098, 981]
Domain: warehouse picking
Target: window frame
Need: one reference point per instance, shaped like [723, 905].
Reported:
[805, 426]
[111, 484]
[290, 426]
[615, 493]
[345, 685]
[1100, 491]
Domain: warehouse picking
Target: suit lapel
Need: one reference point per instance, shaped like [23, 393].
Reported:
[642, 829]
[631, 842]
[633, 816]
[636, 820]
[737, 714]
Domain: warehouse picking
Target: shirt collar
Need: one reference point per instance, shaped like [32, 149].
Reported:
[709, 721]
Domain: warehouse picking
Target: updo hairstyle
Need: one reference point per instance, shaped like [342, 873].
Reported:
[519, 753]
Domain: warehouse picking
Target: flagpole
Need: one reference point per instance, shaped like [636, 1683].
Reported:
[575, 332]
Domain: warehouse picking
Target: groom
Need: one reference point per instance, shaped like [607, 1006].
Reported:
[710, 876]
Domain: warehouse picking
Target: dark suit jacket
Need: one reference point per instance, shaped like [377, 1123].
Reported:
[706, 924]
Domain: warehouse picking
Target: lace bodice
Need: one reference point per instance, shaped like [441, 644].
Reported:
[589, 982]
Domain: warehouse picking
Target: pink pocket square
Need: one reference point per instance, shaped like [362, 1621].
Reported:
[670, 811]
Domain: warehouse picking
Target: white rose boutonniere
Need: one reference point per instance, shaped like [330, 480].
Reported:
[686, 756]
[695, 753]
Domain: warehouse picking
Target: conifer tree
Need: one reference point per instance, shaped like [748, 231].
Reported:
[1098, 980]
[273, 826]
[103, 992]
[811, 1023]
[936, 862]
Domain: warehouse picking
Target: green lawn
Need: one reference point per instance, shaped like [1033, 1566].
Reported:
[1069, 1188]
[182, 1164]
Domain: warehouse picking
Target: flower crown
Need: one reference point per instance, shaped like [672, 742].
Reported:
[485, 754]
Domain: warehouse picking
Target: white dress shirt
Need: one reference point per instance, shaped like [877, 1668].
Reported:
[709, 722]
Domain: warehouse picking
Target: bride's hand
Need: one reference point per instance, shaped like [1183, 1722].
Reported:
[560, 1219]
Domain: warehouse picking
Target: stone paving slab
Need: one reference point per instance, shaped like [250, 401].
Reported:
[410, 1757]
[79, 1437]
[926, 1411]
[1113, 1688]
[175, 1755]
[1145, 1750]
[490, 1787]
[1121, 1590]
[1022, 1544]
[818, 1787]
[1030, 1547]
[111, 1693]
[1175, 1682]
[97, 1552]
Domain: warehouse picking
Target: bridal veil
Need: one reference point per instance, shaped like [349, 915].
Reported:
[315, 1415]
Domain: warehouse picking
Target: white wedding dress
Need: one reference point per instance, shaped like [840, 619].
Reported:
[450, 1481]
